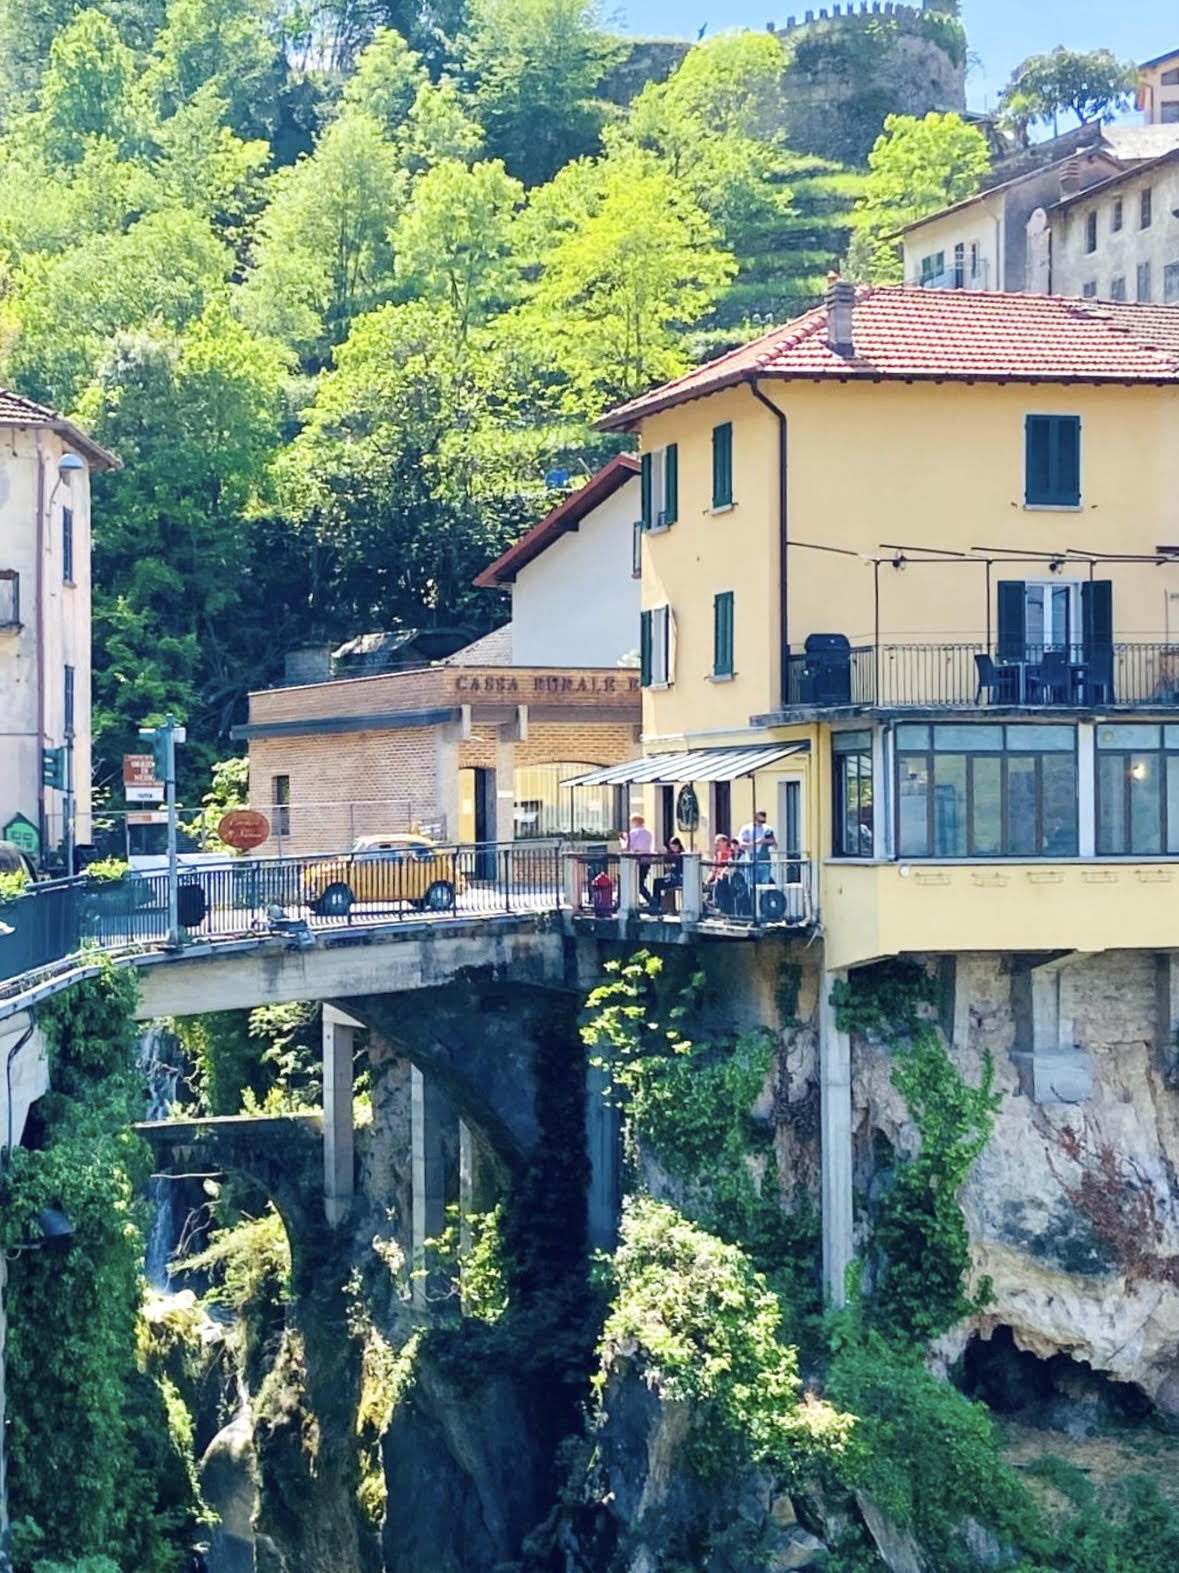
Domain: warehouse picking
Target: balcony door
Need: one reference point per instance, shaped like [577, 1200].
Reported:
[1036, 615]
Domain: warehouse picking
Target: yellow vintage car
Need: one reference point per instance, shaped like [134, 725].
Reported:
[385, 871]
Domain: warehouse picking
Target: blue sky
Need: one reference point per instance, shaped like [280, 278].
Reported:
[1001, 32]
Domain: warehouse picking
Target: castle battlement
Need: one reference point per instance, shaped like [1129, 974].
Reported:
[838, 13]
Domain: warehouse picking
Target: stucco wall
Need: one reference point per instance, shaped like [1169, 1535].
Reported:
[49, 640]
[577, 604]
[1119, 252]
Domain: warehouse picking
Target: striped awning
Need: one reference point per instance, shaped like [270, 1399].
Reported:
[702, 764]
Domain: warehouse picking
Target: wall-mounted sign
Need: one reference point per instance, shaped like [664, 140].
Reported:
[139, 779]
[503, 680]
[244, 828]
[23, 834]
[687, 809]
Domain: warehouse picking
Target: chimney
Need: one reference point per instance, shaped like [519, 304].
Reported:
[1070, 177]
[841, 300]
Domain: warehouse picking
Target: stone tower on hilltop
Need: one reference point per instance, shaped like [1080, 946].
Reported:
[848, 66]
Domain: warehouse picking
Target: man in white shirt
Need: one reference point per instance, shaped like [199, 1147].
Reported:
[639, 841]
[757, 833]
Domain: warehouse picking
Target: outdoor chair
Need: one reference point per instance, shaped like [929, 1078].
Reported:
[1052, 681]
[1001, 683]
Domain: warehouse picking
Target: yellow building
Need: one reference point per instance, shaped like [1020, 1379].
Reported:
[931, 539]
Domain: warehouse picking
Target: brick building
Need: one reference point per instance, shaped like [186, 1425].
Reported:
[476, 748]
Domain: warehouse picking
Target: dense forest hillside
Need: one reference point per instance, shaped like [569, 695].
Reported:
[344, 282]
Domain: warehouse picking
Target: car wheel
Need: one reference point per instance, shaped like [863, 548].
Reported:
[440, 896]
[336, 901]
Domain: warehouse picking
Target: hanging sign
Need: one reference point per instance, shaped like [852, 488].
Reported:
[23, 834]
[687, 809]
[244, 828]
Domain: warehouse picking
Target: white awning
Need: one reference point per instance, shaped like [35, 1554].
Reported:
[702, 764]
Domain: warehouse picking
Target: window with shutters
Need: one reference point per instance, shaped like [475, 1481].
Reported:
[1171, 283]
[68, 705]
[1091, 230]
[655, 653]
[1144, 281]
[1145, 208]
[722, 634]
[1117, 288]
[1089, 289]
[1115, 218]
[1052, 461]
[1039, 615]
[722, 465]
[659, 487]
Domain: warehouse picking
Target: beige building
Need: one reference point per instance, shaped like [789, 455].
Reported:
[45, 465]
[1158, 89]
[1119, 240]
[477, 748]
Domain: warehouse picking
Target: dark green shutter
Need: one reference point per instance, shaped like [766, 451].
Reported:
[645, 489]
[722, 465]
[1011, 642]
[671, 483]
[645, 649]
[722, 622]
[1053, 460]
[1097, 616]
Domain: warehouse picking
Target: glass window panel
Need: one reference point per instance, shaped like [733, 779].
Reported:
[986, 822]
[918, 736]
[1111, 804]
[850, 742]
[1146, 803]
[1041, 738]
[1033, 615]
[1130, 736]
[949, 805]
[1172, 804]
[1021, 806]
[913, 804]
[1059, 806]
[969, 738]
[1171, 737]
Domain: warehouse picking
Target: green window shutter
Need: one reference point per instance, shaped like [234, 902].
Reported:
[645, 489]
[722, 465]
[722, 621]
[671, 483]
[1053, 460]
[645, 649]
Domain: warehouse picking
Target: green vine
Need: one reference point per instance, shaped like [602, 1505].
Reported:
[94, 1467]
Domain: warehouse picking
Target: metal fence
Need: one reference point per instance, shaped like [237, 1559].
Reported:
[961, 675]
[759, 892]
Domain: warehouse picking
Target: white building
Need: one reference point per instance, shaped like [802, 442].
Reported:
[1119, 240]
[575, 591]
[45, 465]
[1012, 236]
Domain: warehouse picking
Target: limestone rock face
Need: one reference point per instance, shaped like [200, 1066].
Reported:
[1073, 1207]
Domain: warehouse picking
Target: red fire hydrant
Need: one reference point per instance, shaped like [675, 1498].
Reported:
[602, 895]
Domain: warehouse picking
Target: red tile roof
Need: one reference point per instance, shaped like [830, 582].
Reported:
[565, 517]
[17, 411]
[944, 335]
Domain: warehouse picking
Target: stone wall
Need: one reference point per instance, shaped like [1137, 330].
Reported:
[845, 70]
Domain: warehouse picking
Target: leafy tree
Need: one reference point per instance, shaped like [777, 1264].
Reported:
[163, 270]
[324, 255]
[916, 168]
[204, 167]
[454, 240]
[425, 121]
[635, 263]
[1092, 85]
[534, 68]
[228, 45]
[195, 417]
[87, 88]
[416, 464]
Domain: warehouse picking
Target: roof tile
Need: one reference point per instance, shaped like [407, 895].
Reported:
[946, 335]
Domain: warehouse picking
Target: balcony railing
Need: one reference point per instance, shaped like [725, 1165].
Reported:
[886, 676]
